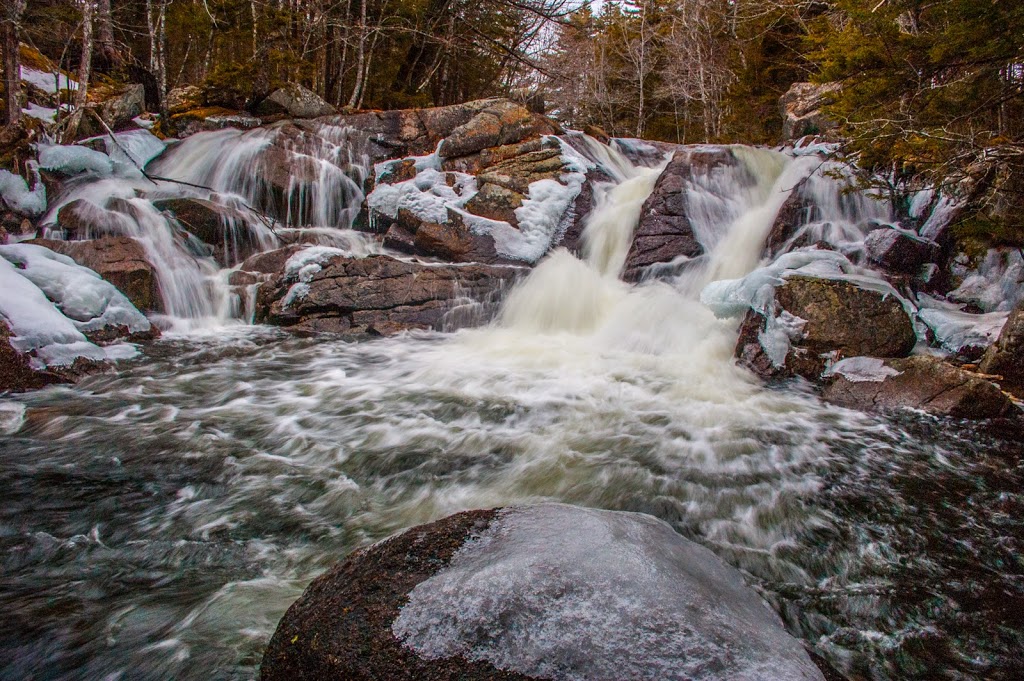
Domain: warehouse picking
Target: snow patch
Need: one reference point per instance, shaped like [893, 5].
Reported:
[90, 302]
[46, 81]
[40, 113]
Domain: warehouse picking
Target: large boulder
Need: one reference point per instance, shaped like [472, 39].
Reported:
[296, 101]
[1005, 358]
[801, 109]
[899, 251]
[186, 98]
[921, 382]
[501, 123]
[825, 319]
[664, 231]
[535, 592]
[120, 260]
[409, 132]
[377, 294]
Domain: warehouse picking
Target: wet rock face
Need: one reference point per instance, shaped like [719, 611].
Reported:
[925, 383]
[341, 626]
[664, 231]
[1006, 357]
[223, 229]
[839, 319]
[898, 252]
[794, 213]
[120, 260]
[537, 592]
[379, 295]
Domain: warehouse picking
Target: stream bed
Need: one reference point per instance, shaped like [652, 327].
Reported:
[157, 522]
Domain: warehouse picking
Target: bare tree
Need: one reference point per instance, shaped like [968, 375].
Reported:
[10, 24]
[85, 65]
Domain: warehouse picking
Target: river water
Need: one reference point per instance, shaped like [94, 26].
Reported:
[158, 521]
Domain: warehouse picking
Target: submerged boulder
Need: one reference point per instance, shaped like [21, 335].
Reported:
[535, 592]
[664, 231]
[823, 320]
[324, 290]
[920, 382]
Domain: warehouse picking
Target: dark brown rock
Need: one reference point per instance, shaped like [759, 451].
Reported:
[270, 262]
[398, 171]
[83, 219]
[898, 252]
[474, 164]
[925, 383]
[664, 231]
[120, 260]
[841, 320]
[17, 375]
[496, 202]
[796, 212]
[340, 628]
[450, 241]
[1005, 358]
[379, 294]
[223, 228]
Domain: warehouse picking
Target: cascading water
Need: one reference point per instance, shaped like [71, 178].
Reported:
[158, 521]
[266, 186]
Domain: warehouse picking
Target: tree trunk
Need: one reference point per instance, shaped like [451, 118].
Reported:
[85, 65]
[10, 28]
[105, 34]
[357, 91]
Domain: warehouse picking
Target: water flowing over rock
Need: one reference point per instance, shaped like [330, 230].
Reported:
[377, 294]
[828, 319]
[665, 231]
[534, 592]
[920, 382]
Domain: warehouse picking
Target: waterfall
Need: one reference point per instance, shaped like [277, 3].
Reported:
[267, 187]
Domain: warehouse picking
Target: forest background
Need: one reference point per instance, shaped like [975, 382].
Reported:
[927, 90]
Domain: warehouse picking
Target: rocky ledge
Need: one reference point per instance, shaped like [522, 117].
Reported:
[535, 592]
[378, 294]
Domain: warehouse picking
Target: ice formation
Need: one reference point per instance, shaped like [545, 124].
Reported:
[956, 330]
[54, 332]
[74, 159]
[555, 591]
[861, 369]
[17, 195]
